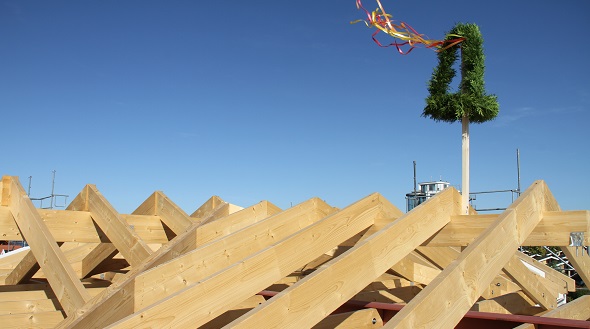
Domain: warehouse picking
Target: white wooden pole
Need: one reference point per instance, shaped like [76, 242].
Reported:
[465, 166]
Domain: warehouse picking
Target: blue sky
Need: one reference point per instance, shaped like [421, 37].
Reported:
[282, 100]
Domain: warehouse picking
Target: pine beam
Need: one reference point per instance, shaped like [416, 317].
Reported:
[535, 286]
[580, 260]
[95, 312]
[177, 274]
[201, 302]
[445, 300]
[310, 300]
[158, 204]
[117, 230]
[367, 319]
[60, 275]
[553, 230]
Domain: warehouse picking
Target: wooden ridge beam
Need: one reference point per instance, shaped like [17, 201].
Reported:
[203, 301]
[444, 302]
[310, 300]
[100, 307]
[63, 280]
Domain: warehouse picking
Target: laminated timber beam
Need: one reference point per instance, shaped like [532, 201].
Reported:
[553, 229]
[580, 261]
[563, 282]
[310, 300]
[61, 276]
[127, 242]
[23, 271]
[535, 286]
[77, 226]
[175, 275]
[216, 229]
[201, 302]
[444, 302]
[101, 307]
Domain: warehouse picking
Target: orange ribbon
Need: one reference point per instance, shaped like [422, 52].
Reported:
[384, 23]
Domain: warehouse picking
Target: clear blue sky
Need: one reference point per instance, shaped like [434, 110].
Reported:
[282, 100]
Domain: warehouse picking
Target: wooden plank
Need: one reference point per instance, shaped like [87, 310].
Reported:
[101, 254]
[24, 271]
[500, 285]
[122, 291]
[367, 318]
[535, 286]
[320, 293]
[60, 275]
[216, 229]
[119, 233]
[511, 303]
[196, 265]
[28, 306]
[580, 261]
[439, 256]
[415, 271]
[444, 302]
[563, 282]
[553, 230]
[31, 320]
[578, 309]
[77, 226]
[201, 302]
[149, 228]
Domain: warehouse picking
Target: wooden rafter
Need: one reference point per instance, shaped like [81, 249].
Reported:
[313, 298]
[208, 270]
[200, 301]
[98, 309]
[63, 280]
[445, 300]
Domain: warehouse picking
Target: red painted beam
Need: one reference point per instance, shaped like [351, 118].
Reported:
[472, 319]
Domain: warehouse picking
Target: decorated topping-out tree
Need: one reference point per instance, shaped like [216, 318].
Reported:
[470, 103]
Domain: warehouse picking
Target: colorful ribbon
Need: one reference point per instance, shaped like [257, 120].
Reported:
[383, 22]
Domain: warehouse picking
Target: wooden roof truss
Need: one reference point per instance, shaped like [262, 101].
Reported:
[367, 265]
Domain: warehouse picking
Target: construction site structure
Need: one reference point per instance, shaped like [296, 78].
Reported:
[366, 265]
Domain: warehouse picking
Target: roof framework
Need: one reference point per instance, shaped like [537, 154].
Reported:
[367, 265]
